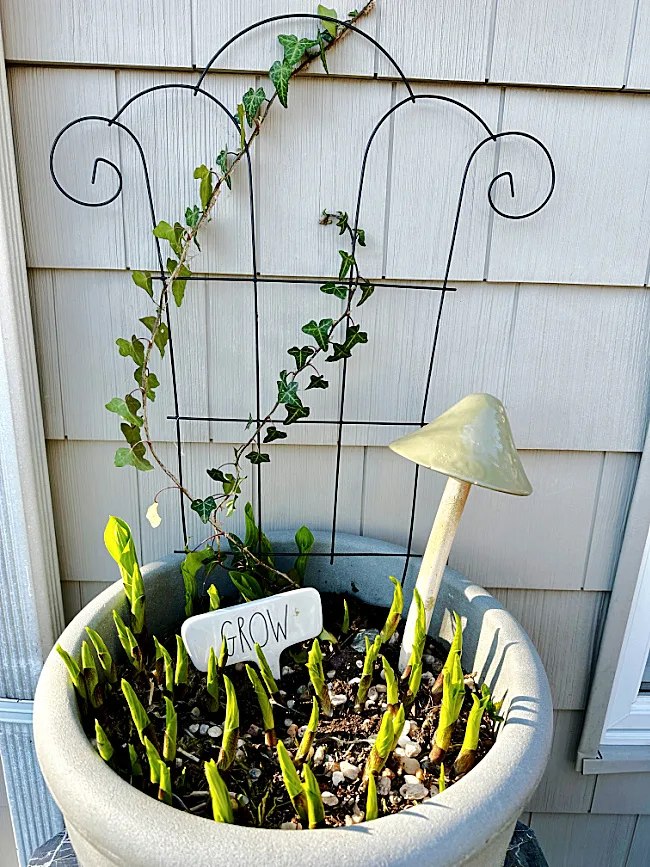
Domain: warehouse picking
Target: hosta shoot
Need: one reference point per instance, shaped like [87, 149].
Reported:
[419, 636]
[398, 724]
[308, 738]
[104, 746]
[138, 713]
[467, 755]
[292, 782]
[345, 626]
[372, 652]
[182, 663]
[136, 767]
[317, 677]
[171, 731]
[215, 599]
[223, 655]
[315, 809]
[213, 682]
[392, 689]
[395, 613]
[189, 567]
[453, 694]
[120, 545]
[265, 672]
[104, 656]
[154, 762]
[492, 708]
[230, 728]
[90, 676]
[372, 809]
[219, 795]
[415, 677]
[382, 747]
[74, 671]
[442, 783]
[128, 642]
[455, 648]
[165, 784]
[265, 706]
[164, 667]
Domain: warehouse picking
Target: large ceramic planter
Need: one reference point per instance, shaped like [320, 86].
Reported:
[470, 824]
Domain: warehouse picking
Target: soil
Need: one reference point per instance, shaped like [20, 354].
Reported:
[254, 779]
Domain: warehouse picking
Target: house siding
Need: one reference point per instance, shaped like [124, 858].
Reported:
[551, 313]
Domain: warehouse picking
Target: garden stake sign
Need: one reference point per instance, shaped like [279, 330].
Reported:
[273, 624]
[472, 444]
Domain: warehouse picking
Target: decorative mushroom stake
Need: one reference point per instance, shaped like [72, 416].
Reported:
[472, 444]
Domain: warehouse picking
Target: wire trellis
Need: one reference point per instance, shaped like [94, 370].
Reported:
[255, 278]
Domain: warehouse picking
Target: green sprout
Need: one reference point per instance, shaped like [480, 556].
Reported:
[136, 767]
[308, 737]
[292, 782]
[138, 713]
[165, 784]
[182, 663]
[104, 746]
[189, 567]
[492, 708]
[372, 652]
[223, 655]
[219, 795]
[171, 731]
[215, 600]
[213, 682]
[345, 626]
[453, 694]
[164, 666]
[372, 810]
[154, 760]
[419, 636]
[456, 647]
[317, 677]
[120, 545]
[230, 728]
[265, 706]
[392, 689]
[90, 676]
[74, 671]
[395, 613]
[128, 642]
[104, 656]
[467, 756]
[382, 747]
[398, 724]
[315, 808]
[265, 671]
[442, 783]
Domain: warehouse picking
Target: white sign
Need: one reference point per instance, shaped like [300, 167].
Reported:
[274, 623]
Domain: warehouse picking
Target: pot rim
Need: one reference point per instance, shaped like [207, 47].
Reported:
[480, 805]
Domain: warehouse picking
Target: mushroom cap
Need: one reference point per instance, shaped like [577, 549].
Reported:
[472, 442]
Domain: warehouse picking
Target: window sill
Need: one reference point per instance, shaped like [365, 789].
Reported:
[619, 760]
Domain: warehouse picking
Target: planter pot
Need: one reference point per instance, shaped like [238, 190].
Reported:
[470, 824]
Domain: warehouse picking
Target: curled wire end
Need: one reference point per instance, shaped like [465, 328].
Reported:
[93, 177]
[508, 175]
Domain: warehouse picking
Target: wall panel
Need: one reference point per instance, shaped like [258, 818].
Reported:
[597, 841]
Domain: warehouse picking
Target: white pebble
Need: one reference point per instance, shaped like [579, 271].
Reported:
[349, 770]
[319, 755]
[329, 799]
[383, 786]
[255, 773]
[354, 681]
[428, 676]
[196, 713]
[409, 765]
[253, 730]
[193, 729]
[331, 673]
[179, 763]
[337, 778]
[240, 754]
[428, 660]
[302, 688]
[412, 749]
[239, 666]
[338, 699]
[291, 826]
[381, 687]
[408, 725]
[204, 729]
[349, 820]
[404, 740]
[359, 663]
[241, 742]
[394, 638]
[302, 730]
[382, 674]
[373, 694]
[288, 722]
[286, 669]
[292, 731]
[414, 791]
[369, 703]
[290, 703]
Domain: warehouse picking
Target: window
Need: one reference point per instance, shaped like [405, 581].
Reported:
[627, 721]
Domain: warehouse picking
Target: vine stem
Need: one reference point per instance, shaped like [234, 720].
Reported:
[176, 274]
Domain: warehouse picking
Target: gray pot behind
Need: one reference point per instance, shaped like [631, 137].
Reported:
[468, 825]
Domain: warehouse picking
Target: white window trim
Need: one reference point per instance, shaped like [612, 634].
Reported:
[627, 721]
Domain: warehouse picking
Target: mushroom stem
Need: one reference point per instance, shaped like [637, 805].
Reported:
[435, 559]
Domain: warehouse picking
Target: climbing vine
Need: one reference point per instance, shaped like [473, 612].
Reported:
[328, 340]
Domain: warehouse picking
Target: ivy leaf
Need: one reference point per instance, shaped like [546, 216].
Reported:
[317, 382]
[133, 348]
[258, 457]
[204, 174]
[148, 382]
[287, 391]
[272, 433]
[143, 280]
[361, 237]
[252, 101]
[342, 221]
[119, 406]
[294, 48]
[344, 350]
[323, 42]
[302, 356]
[320, 332]
[178, 285]
[347, 261]
[131, 433]
[222, 162]
[192, 216]
[280, 73]
[162, 332]
[216, 475]
[366, 291]
[334, 289]
[330, 26]
[295, 412]
[171, 234]
[128, 458]
[204, 508]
